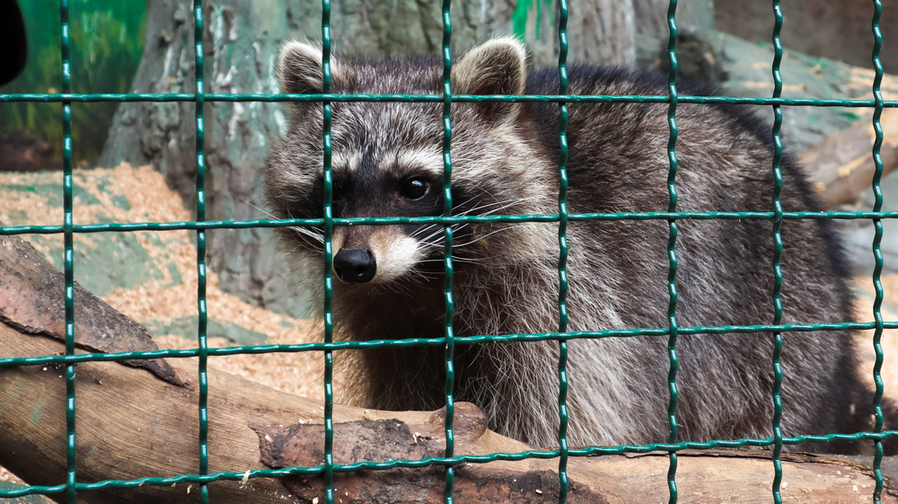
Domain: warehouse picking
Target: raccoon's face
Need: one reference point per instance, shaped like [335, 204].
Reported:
[404, 183]
[387, 157]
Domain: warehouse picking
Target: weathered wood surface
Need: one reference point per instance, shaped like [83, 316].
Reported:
[841, 166]
[131, 424]
[32, 300]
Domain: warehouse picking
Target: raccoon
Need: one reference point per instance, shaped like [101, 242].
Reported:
[387, 161]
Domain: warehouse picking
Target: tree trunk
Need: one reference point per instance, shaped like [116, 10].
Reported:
[822, 28]
[691, 15]
[241, 41]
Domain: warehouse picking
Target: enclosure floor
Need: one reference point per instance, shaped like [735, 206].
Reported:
[163, 304]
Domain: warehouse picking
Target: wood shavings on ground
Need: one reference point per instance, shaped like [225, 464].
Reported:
[10, 477]
[299, 373]
[128, 194]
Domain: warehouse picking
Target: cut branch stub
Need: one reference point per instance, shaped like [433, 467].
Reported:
[382, 440]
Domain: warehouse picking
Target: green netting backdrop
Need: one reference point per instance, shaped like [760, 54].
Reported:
[72, 488]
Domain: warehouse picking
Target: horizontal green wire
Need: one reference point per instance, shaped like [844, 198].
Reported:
[219, 97]
[190, 97]
[386, 221]
[467, 340]
[461, 459]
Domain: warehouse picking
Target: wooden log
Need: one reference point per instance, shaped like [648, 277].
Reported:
[132, 423]
[32, 300]
[841, 166]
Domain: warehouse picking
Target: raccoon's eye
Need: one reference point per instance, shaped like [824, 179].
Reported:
[337, 190]
[414, 188]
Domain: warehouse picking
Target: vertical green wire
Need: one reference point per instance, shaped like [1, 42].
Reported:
[447, 250]
[201, 245]
[671, 249]
[68, 230]
[777, 254]
[563, 252]
[877, 253]
[328, 256]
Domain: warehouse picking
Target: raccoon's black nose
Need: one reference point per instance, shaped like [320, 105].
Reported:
[355, 265]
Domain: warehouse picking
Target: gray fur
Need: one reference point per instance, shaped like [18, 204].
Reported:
[506, 280]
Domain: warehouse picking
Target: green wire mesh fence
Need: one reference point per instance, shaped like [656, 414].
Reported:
[72, 487]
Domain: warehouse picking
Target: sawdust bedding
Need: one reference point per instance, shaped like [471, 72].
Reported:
[164, 299]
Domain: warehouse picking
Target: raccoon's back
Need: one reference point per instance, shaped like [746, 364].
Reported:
[618, 159]
[618, 162]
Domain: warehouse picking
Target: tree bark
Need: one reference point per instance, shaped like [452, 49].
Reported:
[692, 15]
[811, 26]
[241, 40]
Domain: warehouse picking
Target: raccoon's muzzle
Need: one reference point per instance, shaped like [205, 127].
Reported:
[355, 265]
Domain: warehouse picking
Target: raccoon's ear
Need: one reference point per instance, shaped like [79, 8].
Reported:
[495, 67]
[299, 68]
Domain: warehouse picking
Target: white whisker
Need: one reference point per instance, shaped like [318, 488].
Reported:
[266, 212]
[479, 238]
[308, 232]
